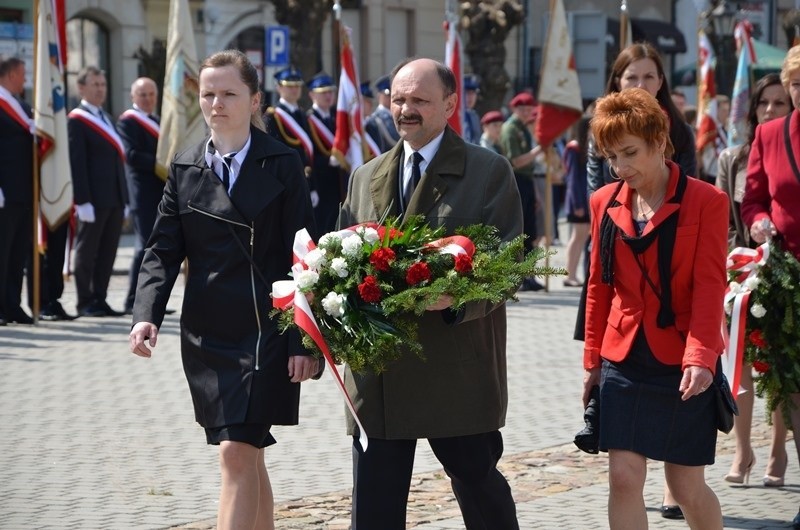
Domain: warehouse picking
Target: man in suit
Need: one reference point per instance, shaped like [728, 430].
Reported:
[97, 158]
[472, 122]
[457, 397]
[16, 189]
[287, 122]
[381, 117]
[138, 128]
[328, 180]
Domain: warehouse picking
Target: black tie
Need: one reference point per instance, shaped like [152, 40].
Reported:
[226, 174]
[416, 174]
[101, 116]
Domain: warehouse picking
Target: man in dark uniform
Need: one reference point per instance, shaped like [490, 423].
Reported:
[287, 122]
[372, 135]
[97, 158]
[328, 180]
[472, 122]
[16, 189]
[138, 128]
[382, 116]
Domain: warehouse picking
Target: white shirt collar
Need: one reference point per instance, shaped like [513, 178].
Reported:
[214, 160]
[94, 109]
[428, 151]
[291, 106]
[323, 114]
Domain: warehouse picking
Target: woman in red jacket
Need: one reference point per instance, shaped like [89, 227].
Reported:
[772, 191]
[653, 314]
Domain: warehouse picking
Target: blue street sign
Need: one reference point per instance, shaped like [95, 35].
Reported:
[277, 46]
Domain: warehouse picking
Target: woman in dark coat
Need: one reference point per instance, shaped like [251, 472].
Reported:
[231, 204]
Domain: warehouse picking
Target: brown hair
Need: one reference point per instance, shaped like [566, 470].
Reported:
[633, 111]
[678, 134]
[247, 73]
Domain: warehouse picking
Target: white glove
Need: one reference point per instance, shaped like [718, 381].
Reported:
[85, 212]
[334, 162]
[314, 198]
[2, 199]
[127, 212]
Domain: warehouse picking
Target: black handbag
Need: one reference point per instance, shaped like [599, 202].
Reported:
[725, 404]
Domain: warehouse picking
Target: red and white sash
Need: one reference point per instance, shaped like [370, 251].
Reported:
[321, 132]
[144, 120]
[286, 121]
[100, 127]
[12, 107]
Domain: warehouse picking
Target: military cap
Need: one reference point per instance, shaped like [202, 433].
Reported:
[471, 82]
[366, 91]
[524, 99]
[289, 76]
[321, 83]
[491, 117]
[383, 84]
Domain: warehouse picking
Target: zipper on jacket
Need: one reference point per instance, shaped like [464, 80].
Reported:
[252, 229]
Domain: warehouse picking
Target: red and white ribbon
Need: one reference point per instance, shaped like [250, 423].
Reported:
[745, 263]
[286, 293]
[454, 245]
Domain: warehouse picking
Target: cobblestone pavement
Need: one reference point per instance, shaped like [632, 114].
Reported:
[94, 437]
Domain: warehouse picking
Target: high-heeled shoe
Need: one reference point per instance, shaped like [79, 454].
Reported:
[775, 481]
[671, 511]
[741, 477]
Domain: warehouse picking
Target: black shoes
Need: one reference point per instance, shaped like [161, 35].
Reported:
[98, 309]
[53, 312]
[530, 284]
[796, 521]
[3, 321]
[19, 316]
[671, 511]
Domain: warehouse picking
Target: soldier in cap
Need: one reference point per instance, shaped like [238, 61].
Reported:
[382, 116]
[472, 122]
[287, 122]
[328, 180]
[372, 134]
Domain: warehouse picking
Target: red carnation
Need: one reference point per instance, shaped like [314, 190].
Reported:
[369, 290]
[757, 339]
[463, 263]
[393, 233]
[418, 273]
[761, 367]
[382, 258]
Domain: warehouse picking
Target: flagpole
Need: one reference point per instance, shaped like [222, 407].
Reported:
[35, 302]
[548, 188]
[623, 25]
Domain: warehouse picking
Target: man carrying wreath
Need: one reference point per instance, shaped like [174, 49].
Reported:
[456, 396]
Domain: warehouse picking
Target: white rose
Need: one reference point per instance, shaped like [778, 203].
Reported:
[328, 238]
[339, 266]
[351, 245]
[735, 287]
[751, 283]
[333, 304]
[315, 258]
[758, 310]
[307, 278]
[370, 235]
[729, 309]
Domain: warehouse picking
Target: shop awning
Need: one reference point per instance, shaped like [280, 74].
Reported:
[665, 37]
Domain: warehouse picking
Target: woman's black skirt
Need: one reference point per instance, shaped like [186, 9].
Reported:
[641, 411]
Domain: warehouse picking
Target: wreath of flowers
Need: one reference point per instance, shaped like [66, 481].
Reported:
[367, 286]
[772, 325]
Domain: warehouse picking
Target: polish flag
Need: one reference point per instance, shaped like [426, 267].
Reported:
[452, 54]
[348, 144]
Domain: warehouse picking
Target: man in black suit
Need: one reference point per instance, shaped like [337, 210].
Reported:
[97, 158]
[139, 129]
[287, 122]
[16, 189]
[327, 179]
